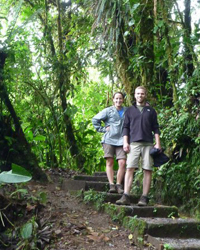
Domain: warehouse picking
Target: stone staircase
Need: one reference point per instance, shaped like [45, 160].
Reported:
[154, 227]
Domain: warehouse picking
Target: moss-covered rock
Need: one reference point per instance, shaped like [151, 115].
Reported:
[116, 213]
[95, 198]
[137, 227]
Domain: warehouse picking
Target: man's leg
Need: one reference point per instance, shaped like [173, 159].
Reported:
[128, 180]
[147, 164]
[144, 200]
[147, 181]
[132, 163]
[125, 199]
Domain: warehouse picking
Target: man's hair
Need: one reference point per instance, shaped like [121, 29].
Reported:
[142, 87]
[118, 92]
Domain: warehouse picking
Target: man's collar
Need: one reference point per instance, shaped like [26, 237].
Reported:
[146, 104]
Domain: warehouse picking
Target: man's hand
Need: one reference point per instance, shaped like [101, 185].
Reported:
[157, 139]
[157, 146]
[126, 147]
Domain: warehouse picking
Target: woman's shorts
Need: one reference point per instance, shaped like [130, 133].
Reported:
[110, 151]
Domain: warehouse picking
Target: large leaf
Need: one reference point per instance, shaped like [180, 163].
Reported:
[27, 230]
[16, 175]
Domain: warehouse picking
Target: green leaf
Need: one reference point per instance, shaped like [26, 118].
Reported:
[135, 6]
[131, 22]
[43, 197]
[126, 33]
[16, 175]
[39, 138]
[27, 230]
[21, 191]
[16, 169]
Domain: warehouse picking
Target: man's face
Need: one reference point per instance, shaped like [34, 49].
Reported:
[140, 96]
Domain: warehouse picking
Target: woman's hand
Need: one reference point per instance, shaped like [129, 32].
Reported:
[108, 128]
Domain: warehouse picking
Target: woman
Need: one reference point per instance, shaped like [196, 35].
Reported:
[112, 141]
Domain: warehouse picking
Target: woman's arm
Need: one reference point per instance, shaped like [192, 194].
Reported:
[98, 119]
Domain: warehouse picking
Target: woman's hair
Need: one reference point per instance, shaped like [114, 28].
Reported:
[118, 92]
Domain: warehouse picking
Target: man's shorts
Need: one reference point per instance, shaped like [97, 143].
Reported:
[139, 151]
[110, 151]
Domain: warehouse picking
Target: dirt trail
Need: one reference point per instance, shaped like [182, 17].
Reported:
[76, 225]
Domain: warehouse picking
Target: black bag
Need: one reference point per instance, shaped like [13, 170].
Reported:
[159, 157]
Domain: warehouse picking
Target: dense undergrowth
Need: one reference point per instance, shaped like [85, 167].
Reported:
[178, 181]
[52, 92]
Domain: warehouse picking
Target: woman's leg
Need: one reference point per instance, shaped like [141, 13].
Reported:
[121, 170]
[109, 169]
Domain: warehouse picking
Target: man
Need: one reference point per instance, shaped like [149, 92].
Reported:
[139, 126]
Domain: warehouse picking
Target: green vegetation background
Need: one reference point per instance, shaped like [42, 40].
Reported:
[61, 62]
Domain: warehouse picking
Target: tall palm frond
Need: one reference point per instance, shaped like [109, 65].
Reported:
[111, 16]
[16, 11]
[13, 27]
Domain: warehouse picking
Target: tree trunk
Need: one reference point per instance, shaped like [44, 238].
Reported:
[122, 64]
[189, 66]
[171, 70]
[64, 83]
[19, 150]
[146, 43]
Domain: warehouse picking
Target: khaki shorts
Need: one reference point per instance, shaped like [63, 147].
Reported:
[138, 152]
[110, 151]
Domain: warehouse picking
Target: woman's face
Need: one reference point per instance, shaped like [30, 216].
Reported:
[118, 100]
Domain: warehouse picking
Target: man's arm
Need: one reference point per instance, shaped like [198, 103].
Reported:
[157, 139]
[126, 145]
[126, 132]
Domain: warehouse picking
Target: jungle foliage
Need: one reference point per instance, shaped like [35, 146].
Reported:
[61, 62]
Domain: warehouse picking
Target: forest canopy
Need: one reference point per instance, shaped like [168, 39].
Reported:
[61, 62]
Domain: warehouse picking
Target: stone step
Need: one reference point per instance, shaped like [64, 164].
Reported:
[113, 197]
[76, 185]
[172, 227]
[175, 244]
[97, 186]
[103, 173]
[161, 225]
[162, 228]
[100, 174]
[136, 211]
[176, 228]
[73, 185]
[91, 178]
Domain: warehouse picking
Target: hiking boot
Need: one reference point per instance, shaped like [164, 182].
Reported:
[112, 188]
[125, 200]
[144, 200]
[119, 188]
